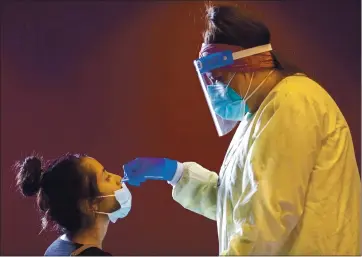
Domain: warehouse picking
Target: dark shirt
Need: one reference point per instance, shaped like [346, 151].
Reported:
[65, 248]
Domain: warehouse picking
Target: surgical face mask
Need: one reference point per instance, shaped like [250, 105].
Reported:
[124, 198]
[227, 103]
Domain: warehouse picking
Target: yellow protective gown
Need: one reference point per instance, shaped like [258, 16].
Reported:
[289, 183]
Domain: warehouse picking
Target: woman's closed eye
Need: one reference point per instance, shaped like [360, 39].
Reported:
[106, 175]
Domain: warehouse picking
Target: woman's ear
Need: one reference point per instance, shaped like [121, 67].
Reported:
[89, 207]
[85, 207]
[94, 205]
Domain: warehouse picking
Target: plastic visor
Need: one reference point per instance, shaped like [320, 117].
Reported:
[204, 67]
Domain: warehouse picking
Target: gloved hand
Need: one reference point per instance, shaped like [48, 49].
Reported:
[142, 169]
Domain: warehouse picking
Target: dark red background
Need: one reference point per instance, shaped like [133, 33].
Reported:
[116, 80]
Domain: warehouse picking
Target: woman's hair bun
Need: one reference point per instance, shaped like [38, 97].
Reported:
[29, 175]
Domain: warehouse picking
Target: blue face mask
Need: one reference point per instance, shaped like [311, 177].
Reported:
[124, 198]
[226, 103]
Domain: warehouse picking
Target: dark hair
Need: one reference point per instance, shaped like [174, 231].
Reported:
[60, 188]
[228, 24]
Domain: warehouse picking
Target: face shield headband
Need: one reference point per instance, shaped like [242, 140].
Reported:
[234, 58]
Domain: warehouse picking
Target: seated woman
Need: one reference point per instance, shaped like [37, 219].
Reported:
[79, 197]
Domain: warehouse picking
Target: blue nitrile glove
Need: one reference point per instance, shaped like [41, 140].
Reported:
[142, 169]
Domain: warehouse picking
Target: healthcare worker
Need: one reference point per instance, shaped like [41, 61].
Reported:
[289, 183]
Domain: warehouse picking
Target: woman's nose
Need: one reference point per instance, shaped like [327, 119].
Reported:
[118, 180]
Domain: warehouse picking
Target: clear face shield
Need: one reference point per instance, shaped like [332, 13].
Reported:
[226, 106]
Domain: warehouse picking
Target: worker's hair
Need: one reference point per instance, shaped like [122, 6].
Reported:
[229, 24]
[61, 188]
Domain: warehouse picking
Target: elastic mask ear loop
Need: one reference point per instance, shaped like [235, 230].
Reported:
[103, 196]
[246, 98]
[251, 80]
[100, 212]
[228, 84]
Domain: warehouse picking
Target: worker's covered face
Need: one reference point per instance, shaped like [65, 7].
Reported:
[226, 73]
[241, 82]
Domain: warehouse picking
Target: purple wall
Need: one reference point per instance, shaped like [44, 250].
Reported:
[116, 81]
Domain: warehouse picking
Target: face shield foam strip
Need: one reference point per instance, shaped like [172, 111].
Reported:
[252, 51]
